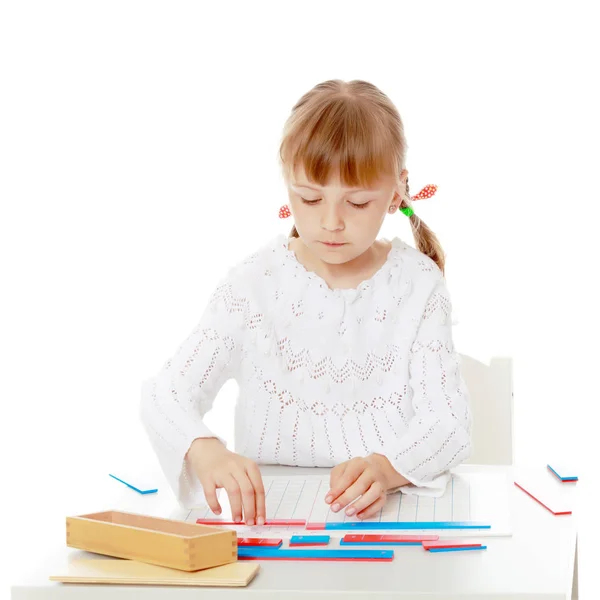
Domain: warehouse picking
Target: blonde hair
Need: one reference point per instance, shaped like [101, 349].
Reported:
[356, 129]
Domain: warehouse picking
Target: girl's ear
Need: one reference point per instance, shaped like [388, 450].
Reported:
[397, 199]
[400, 188]
[403, 178]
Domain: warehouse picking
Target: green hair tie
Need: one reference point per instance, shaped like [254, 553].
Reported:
[428, 191]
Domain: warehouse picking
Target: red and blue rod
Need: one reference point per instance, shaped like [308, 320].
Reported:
[397, 525]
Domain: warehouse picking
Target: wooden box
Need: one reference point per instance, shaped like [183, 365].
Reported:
[164, 542]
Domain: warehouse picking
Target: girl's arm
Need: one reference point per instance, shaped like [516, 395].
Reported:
[439, 434]
[175, 400]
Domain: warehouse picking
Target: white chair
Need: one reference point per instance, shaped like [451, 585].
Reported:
[491, 399]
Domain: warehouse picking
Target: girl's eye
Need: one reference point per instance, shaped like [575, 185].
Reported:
[310, 202]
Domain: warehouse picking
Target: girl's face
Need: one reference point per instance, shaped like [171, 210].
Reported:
[352, 216]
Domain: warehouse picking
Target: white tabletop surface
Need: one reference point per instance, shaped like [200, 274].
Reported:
[535, 563]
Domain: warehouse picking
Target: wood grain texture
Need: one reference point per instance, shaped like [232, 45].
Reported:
[129, 572]
[153, 540]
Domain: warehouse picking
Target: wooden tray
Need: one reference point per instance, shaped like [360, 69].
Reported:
[163, 542]
[130, 572]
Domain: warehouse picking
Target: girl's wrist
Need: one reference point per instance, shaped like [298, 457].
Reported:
[393, 479]
[201, 445]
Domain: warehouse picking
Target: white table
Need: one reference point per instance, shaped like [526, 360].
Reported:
[538, 562]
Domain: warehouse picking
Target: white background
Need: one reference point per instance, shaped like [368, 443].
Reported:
[139, 145]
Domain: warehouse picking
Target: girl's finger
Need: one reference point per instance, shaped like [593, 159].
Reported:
[372, 510]
[334, 478]
[210, 493]
[359, 487]
[235, 498]
[371, 495]
[259, 492]
[352, 472]
[248, 497]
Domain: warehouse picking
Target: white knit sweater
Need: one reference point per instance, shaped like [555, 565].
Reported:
[324, 375]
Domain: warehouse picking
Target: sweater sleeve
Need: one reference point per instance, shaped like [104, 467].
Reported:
[439, 433]
[175, 400]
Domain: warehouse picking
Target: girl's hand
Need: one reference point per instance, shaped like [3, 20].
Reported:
[367, 477]
[218, 467]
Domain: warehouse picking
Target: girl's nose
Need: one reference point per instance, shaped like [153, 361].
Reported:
[331, 218]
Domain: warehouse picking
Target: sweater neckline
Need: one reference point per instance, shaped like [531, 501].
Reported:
[311, 276]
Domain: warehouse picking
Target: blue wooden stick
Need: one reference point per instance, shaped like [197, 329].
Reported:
[258, 552]
[566, 478]
[407, 525]
[133, 487]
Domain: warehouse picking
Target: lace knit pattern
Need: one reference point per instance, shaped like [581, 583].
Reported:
[323, 375]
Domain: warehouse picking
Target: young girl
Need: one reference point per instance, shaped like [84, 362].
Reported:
[341, 343]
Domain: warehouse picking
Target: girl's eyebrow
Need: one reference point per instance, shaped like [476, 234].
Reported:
[318, 190]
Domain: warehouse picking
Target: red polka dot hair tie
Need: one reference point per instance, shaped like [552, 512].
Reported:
[284, 212]
[428, 191]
